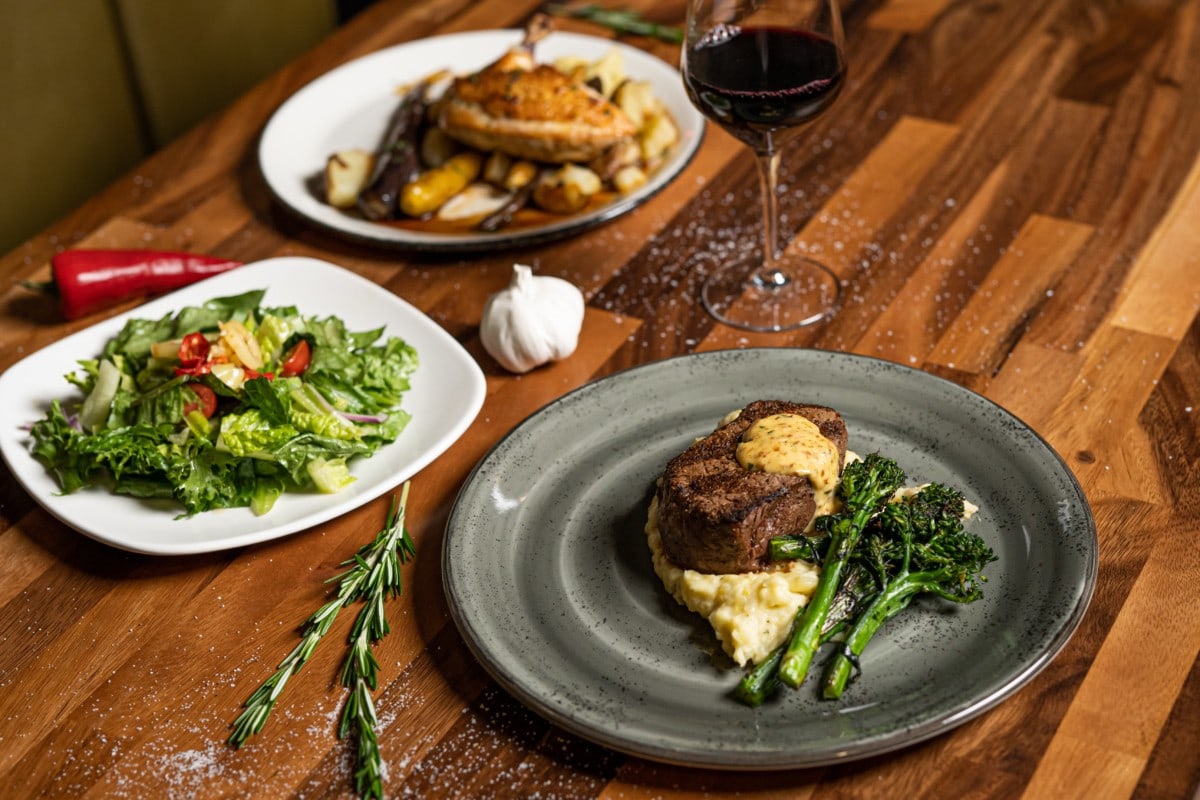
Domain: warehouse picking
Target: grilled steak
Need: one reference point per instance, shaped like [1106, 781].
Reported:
[716, 516]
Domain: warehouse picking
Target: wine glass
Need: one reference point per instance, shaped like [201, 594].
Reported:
[760, 69]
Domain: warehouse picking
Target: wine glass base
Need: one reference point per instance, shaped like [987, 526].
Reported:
[794, 293]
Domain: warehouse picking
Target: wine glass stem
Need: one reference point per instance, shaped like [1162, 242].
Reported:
[768, 179]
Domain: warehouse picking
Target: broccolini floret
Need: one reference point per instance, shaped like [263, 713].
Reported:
[915, 546]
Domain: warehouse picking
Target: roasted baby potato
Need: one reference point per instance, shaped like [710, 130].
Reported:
[566, 189]
[607, 73]
[629, 178]
[496, 168]
[433, 187]
[346, 173]
[657, 136]
[637, 100]
[519, 174]
[436, 147]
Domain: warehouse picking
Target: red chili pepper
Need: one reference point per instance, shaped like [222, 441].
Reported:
[90, 280]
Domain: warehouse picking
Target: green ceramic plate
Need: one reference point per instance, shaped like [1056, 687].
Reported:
[548, 574]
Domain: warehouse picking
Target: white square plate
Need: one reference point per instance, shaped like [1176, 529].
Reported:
[447, 393]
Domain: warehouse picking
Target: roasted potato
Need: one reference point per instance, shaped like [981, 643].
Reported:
[608, 72]
[566, 189]
[346, 173]
[657, 136]
[623, 154]
[519, 174]
[433, 187]
[637, 100]
[496, 168]
[436, 147]
[629, 178]
[572, 65]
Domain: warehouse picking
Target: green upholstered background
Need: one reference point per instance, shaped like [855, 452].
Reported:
[89, 87]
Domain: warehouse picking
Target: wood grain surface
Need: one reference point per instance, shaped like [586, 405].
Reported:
[1010, 193]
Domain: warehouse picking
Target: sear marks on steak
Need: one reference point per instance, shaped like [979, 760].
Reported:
[716, 516]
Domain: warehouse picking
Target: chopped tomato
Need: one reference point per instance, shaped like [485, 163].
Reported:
[296, 361]
[206, 400]
[201, 368]
[193, 350]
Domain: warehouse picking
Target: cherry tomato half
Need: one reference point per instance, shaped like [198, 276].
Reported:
[296, 361]
[206, 400]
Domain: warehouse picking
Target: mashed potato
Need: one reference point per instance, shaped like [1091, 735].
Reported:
[751, 613]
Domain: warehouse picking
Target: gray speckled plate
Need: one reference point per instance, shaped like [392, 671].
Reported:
[549, 579]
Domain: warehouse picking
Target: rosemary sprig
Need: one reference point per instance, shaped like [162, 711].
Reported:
[373, 575]
[380, 561]
[619, 20]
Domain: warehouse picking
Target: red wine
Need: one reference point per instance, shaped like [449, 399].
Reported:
[757, 82]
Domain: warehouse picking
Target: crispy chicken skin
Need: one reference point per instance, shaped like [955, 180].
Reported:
[531, 111]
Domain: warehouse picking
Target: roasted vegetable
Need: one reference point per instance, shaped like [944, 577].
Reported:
[566, 189]
[502, 216]
[657, 136]
[628, 179]
[866, 486]
[637, 100]
[433, 187]
[346, 175]
[397, 163]
[437, 147]
[496, 168]
[915, 546]
[607, 73]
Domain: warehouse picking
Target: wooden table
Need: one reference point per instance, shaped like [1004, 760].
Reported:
[1011, 194]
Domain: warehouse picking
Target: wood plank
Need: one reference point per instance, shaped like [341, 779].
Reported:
[1161, 296]
[1160, 655]
[1088, 427]
[979, 339]
[908, 16]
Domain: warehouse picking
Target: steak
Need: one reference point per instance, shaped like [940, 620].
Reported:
[716, 516]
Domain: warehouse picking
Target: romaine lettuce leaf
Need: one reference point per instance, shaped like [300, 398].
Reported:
[249, 434]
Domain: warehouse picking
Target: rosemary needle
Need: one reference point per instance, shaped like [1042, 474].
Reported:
[372, 575]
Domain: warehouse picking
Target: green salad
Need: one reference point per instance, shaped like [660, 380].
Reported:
[228, 404]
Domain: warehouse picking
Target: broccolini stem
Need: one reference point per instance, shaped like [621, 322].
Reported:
[761, 682]
[865, 487]
[890, 602]
[798, 654]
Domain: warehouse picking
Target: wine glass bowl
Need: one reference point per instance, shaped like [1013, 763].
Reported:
[761, 69]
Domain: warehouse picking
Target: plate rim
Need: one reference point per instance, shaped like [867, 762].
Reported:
[723, 760]
[447, 244]
[31, 474]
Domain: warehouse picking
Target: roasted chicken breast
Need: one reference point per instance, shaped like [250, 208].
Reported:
[531, 110]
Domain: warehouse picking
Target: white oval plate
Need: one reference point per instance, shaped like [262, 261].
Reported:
[350, 106]
[446, 394]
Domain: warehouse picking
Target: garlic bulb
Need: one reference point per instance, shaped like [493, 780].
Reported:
[534, 321]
